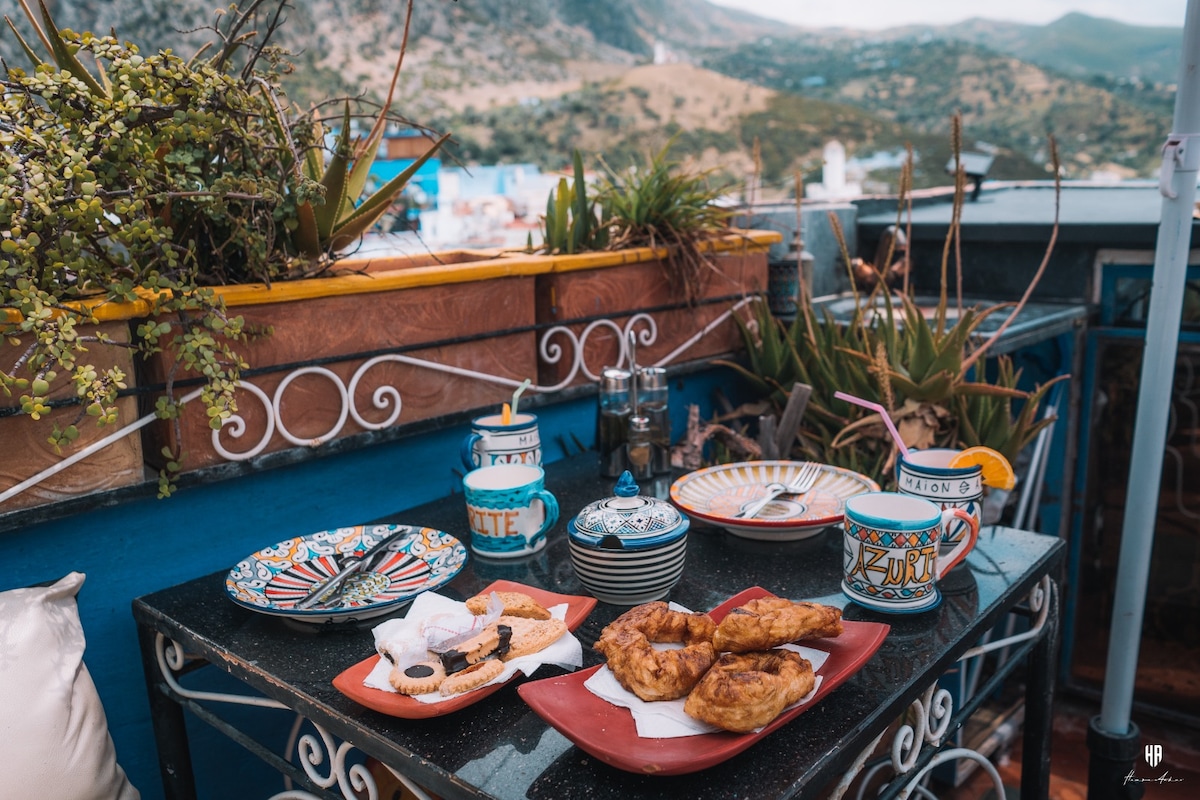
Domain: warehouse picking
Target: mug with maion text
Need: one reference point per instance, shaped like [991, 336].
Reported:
[928, 474]
[492, 442]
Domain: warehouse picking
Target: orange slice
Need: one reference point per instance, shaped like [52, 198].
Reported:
[997, 472]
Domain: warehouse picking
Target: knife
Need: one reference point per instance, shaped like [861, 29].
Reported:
[327, 587]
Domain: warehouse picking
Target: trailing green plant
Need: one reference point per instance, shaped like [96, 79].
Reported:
[930, 374]
[664, 204]
[572, 223]
[144, 177]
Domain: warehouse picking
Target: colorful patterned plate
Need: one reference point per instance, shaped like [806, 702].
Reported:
[715, 494]
[273, 580]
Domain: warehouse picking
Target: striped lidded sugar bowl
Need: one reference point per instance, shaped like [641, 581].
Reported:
[628, 549]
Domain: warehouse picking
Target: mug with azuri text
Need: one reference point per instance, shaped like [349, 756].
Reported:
[890, 555]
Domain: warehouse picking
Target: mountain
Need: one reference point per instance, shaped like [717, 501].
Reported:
[534, 79]
[1004, 101]
[1081, 46]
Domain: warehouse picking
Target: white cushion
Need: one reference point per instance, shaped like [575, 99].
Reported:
[53, 733]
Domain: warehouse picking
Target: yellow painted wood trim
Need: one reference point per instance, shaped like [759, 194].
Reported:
[492, 267]
[512, 264]
[103, 310]
[748, 241]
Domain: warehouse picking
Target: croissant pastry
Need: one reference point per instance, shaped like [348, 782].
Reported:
[771, 621]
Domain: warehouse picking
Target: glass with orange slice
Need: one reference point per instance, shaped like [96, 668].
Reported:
[933, 475]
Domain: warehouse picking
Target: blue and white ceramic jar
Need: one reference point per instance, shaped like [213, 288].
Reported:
[628, 549]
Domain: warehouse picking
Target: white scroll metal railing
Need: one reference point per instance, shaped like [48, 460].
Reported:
[555, 344]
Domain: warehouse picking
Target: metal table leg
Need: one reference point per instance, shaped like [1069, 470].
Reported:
[170, 731]
[1039, 705]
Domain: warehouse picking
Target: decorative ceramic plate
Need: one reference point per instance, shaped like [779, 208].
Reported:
[715, 494]
[608, 732]
[350, 681]
[273, 580]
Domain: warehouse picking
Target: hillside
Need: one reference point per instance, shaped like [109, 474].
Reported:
[1005, 102]
[531, 80]
[710, 119]
[454, 47]
[1081, 46]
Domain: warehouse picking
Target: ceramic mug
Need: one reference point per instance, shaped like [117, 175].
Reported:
[508, 509]
[492, 442]
[890, 554]
[928, 474]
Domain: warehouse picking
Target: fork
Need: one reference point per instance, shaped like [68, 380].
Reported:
[801, 483]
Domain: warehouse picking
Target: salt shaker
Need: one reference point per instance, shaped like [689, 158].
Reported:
[639, 450]
[616, 408]
[652, 404]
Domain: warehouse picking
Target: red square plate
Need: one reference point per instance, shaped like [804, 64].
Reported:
[608, 732]
[350, 681]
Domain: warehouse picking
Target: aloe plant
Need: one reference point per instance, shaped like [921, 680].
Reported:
[931, 375]
[572, 223]
[665, 204]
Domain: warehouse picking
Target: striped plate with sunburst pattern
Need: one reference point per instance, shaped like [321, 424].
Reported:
[274, 579]
[715, 494]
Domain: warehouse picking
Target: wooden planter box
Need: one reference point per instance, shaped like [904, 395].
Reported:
[25, 450]
[479, 311]
[334, 321]
[616, 286]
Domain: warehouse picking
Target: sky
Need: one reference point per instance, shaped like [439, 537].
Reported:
[876, 14]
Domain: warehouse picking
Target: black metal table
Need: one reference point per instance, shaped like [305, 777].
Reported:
[500, 748]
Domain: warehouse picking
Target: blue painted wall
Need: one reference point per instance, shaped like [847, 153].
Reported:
[147, 544]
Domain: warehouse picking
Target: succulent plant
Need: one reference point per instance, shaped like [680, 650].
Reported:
[932, 375]
[572, 223]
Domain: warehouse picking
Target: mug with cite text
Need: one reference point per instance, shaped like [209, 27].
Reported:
[509, 510]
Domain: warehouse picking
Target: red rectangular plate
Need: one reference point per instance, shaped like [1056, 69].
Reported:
[608, 732]
[350, 681]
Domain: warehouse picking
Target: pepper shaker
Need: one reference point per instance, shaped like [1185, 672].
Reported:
[653, 404]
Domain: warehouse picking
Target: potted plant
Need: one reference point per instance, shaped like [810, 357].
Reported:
[931, 374]
[189, 202]
[650, 237]
[136, 186]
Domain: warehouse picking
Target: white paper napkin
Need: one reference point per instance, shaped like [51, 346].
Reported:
[665, 719]
[565, 652]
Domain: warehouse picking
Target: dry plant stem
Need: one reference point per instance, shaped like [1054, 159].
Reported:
[970, 360]
[905, 197]
[261, 41]
[952, 240]
[906, 178]
[960, 188]
[840, 235]
[754, 177]
[381, 120]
